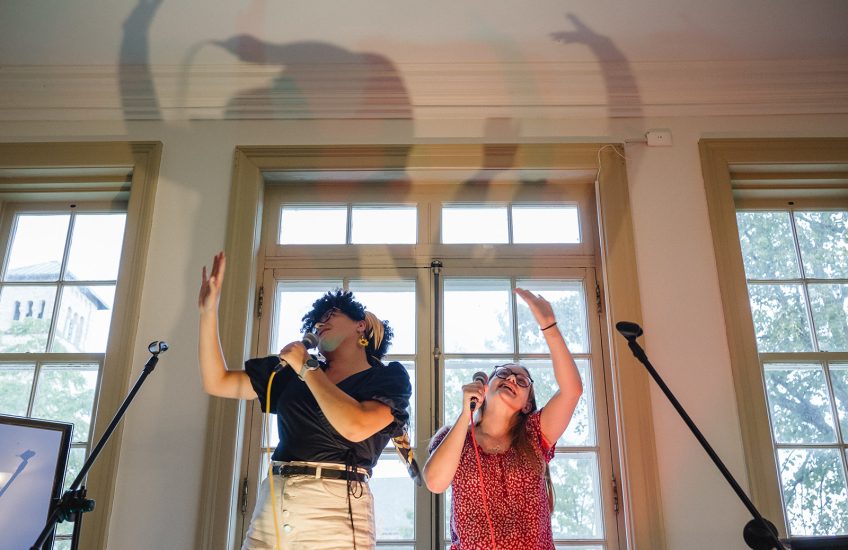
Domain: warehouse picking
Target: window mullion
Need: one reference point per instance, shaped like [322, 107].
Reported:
[804, 286]
[513, 304]
[54, 321]
[36, 373]
[509, 235]
[349, 225]
[833, 411]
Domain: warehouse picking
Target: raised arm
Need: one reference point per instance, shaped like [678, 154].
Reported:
[441, 466]
[557, 412]
[217, 380]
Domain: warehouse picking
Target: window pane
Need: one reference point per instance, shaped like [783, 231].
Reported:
[567, 299]
[799, 403]
[15, 386]
[458, 372]
[85, 313]
[780, 318]
[839, 380]
[394, 499]
[76, 458]
[577, 509]
[66, 393]
[25, 315]
[294, 300]
[830, 315]
[581, 429]
[38, 244]
[384, 225]
[95, 251]
[410, 368]
[65, 528]
[823, 243]
[474, 224]
[768, 249]
[478, 316]
[392, 301]
[313, 225]
[269, 426]
[814, 492]
[545, 224]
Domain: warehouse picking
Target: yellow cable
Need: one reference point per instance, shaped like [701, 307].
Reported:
[270, 464]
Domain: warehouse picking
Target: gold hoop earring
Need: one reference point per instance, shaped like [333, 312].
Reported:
[363, 341]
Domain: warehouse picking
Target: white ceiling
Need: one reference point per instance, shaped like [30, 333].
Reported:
[571, 50]
[36, 32]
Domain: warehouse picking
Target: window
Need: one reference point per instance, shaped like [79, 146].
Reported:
[63, 265]
[485, 325]
[481, 323]
[421, 175]
[796, 265]
[780, 230]
[347, 224]
[67, 310]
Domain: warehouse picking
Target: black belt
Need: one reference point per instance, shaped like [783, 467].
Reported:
[287, 470]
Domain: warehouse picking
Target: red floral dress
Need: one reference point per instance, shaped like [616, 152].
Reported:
[515, 493]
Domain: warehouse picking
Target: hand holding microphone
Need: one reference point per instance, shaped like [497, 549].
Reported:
[296, 353]
[475, 392]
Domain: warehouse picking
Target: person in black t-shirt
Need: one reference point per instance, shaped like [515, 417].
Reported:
[333, 418]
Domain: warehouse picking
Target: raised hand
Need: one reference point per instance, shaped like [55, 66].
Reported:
[541, 309]
[210, 287]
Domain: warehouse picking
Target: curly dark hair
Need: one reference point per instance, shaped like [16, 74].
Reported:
[379, 339]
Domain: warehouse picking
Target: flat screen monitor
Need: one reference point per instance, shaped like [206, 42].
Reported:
[33, 458]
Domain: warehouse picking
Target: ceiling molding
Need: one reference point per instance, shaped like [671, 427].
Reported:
[424, 91]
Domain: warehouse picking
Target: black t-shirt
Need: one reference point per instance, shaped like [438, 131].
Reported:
[306, 434]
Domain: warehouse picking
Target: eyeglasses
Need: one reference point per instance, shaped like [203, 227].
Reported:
[503, 372]
[328, 314]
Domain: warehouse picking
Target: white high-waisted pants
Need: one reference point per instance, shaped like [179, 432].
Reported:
[313, 515]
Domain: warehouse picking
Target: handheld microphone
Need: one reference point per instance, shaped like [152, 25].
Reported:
[309, 341]
[483, 378]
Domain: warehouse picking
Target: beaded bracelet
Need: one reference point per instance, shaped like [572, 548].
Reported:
[549, 326]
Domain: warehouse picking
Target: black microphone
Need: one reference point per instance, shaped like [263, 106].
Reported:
[483, 378]
[629, 329]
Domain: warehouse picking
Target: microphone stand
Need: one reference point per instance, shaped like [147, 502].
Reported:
[759, 533]
[73, 502]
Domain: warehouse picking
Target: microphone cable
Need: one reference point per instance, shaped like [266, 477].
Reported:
[270, 463]
[309, 340]
[482, 486]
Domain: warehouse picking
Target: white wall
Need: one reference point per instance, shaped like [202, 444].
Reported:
[159, 482]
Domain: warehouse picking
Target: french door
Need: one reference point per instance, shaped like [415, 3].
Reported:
[453, 317]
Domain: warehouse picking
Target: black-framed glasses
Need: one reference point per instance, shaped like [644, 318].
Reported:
[522, 380]
[327, 315]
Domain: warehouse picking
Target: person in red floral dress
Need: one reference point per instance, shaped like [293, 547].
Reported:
[502, 495]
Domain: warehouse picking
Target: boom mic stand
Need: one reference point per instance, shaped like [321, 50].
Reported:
[759, 533]
[73, 502]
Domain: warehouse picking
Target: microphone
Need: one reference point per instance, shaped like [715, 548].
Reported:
[157, 347]
[483, 378]
[628, 329]
[309, 341]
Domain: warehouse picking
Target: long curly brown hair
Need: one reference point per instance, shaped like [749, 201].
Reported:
[518, 435]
